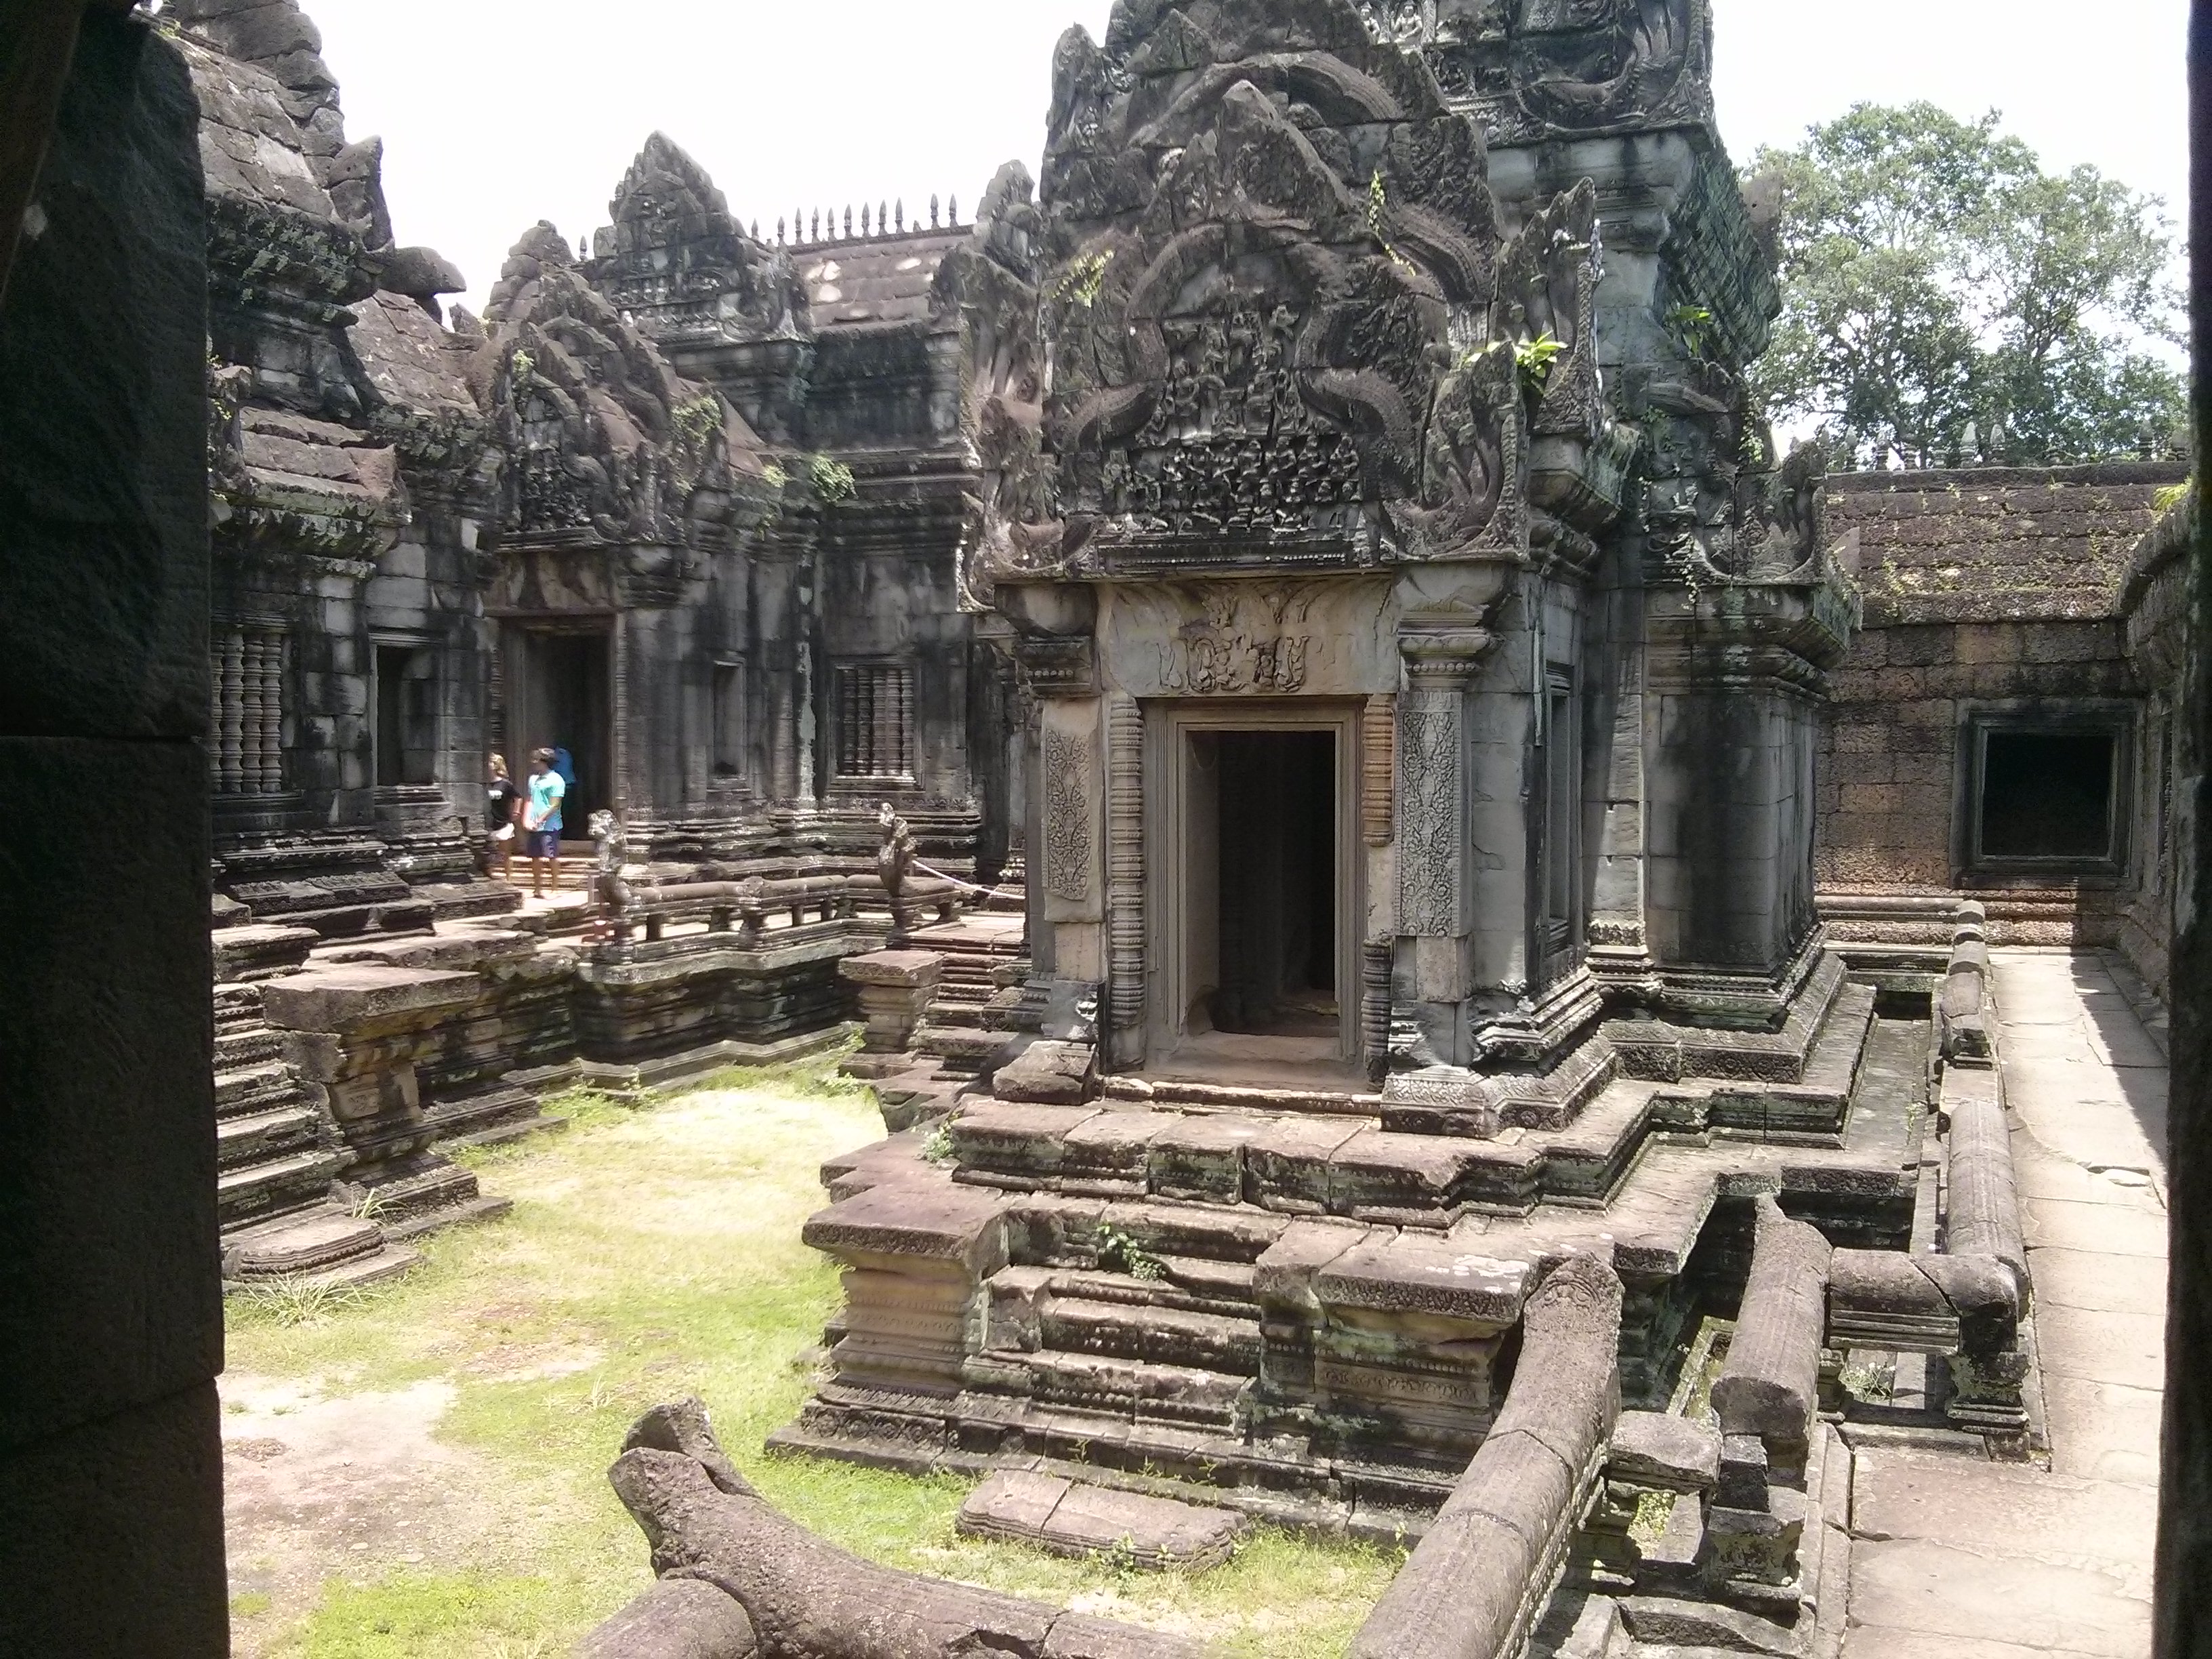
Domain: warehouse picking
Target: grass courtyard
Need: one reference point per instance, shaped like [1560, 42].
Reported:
[418, 1471]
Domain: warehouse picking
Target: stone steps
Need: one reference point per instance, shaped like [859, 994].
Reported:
[250, 1136]
[960, 1051]
[246, 1045]
[1191, 1284]
[274, 1187]
[320, 1246]
[255, 1088]
[1172, 1336]
[1127, 1388]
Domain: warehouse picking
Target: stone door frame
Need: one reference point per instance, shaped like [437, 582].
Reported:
[1168, 723]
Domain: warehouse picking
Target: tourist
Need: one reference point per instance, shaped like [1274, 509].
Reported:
[503, 812]
[541, 822]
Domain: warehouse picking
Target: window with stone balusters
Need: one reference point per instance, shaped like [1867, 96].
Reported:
[873, 721]
[246, 741]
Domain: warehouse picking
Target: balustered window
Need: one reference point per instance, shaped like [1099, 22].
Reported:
[874, 720]
[247, 743]
[1563, 765]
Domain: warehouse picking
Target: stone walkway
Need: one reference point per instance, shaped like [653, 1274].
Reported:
[1968, 1560]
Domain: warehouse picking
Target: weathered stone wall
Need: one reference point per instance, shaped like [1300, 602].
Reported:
[1992, 590]
[111, 1327]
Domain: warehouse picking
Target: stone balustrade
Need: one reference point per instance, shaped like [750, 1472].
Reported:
[1476, 1584]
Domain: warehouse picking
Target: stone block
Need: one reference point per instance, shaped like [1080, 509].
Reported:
[1657, 1448]
[1201, 1157]
[361, 998]
[1425, 1180]
[1070, 1518]
[928, 1220]
[1416, 1275]
[1108, 1154]
[1025, 1142]
[1769, 1386]
[1048, 1073]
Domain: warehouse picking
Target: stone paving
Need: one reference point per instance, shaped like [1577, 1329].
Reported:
[1989, 1561]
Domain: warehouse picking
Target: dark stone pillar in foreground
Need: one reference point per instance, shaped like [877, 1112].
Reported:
[2184, 1540]
[111, 1318]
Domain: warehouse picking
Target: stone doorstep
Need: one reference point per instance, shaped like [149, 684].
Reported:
[1056, 1513]
[356, 998]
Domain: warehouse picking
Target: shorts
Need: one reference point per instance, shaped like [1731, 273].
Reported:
[541, 843]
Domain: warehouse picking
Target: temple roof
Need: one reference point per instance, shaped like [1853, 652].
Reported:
[881, 280]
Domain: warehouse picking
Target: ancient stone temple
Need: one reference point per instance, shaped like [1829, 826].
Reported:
[1427, 652]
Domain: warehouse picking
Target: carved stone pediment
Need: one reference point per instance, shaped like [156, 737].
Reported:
[605, 441]
[1271, 248]
[677, 261]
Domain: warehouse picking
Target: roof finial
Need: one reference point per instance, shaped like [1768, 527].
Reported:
[779, 232]
[818, 225]
[756, 230]
[933, 211]
[863, 218]
[848, 221]
[952, 213]
[883, 220]
[898, 215]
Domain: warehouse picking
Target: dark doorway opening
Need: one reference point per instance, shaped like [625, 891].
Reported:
[2048, 795]
[565, 703]
[1277, 864]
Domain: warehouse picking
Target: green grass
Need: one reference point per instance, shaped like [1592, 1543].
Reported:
[654, 1254]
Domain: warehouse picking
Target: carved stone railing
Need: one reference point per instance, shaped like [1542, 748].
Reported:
[1482, 1576]
[740, 1579]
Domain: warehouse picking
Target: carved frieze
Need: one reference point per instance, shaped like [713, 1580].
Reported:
[1431, 814]
[1260, 639]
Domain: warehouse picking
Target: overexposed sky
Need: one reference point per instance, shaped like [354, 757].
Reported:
[496, 113]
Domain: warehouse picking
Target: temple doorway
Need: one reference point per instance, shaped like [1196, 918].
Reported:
[560, 695]
[1257, 943]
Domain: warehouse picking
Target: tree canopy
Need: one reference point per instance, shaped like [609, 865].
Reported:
[1947, 302]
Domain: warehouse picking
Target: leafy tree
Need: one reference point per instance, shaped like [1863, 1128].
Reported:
[1946, 301]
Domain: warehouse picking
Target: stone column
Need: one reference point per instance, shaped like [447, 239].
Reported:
[894, 988]
[1433, 889]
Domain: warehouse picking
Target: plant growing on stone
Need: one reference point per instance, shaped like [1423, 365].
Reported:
[831, 478]
[1086, 279]
[520, 367]
[1533, 359]
[1118, 1253]
[2174, 494]
[938, 1147]
[696, 421]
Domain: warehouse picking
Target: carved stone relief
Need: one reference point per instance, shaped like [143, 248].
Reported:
[1069, 848]
[1431, 814]
[1250, 639]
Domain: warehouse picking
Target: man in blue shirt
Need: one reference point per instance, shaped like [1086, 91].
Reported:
[541, 822]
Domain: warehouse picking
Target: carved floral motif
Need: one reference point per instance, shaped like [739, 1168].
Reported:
[1069, 847]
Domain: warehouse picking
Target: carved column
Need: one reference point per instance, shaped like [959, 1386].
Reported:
[1125, 891]
[249, 759]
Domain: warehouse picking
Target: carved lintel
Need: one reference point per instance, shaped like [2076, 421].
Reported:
[1378, 749]
[1125, 798]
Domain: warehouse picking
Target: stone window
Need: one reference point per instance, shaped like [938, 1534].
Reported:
[729, 720]
[406, 716]
[247, 739]
[874, 720]
[2046, 793]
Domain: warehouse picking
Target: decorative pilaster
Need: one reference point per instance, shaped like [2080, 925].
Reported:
[1378, 765]
[1125, 894]
[1432, 830]
[1377, 956]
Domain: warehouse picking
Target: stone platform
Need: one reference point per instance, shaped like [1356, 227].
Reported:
[1295, 1304]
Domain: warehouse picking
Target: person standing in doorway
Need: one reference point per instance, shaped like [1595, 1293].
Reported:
[503, 816]
[541, 822]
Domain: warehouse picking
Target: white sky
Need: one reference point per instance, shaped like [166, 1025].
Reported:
[496, 113]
